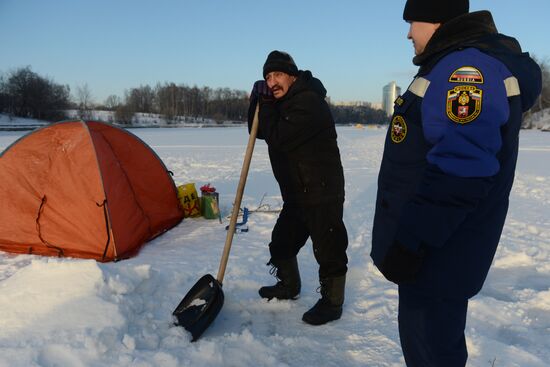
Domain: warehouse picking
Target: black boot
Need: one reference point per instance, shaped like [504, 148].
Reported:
[329, 307]
[288, 286]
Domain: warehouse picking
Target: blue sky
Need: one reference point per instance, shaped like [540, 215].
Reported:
[354, 46]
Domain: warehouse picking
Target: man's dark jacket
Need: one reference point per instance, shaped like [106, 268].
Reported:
[450, 156]
[299, 131]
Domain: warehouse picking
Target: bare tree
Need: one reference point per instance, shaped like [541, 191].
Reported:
[168, 99]
[544, 99]
[84, 101]
[3, 95]
[112, 102]
[206, 97]
[141, 99]
[124, 114]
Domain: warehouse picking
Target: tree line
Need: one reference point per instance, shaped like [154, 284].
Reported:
[24, 93]
[172, 101]
[543, 101]
[360, 114]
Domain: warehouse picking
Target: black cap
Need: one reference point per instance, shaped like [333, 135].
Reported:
[434, 11]
[280, 61]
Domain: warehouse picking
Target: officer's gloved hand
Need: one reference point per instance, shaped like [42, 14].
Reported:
[260, 92]
[402, 264]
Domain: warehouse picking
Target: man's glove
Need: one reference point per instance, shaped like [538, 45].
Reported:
[260, 90]
[402, 264]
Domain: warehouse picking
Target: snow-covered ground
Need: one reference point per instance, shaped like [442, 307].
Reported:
[150, 119]
[9, 122]
[70, 312]
[141, 120]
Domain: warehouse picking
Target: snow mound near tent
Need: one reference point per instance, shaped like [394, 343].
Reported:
[71, 289]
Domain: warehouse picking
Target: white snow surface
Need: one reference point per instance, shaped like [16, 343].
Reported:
[150, 119]
[12, 123]
[75, 312]
[8, 122]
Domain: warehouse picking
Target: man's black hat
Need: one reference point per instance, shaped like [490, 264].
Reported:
[434, 11]
[280, 61]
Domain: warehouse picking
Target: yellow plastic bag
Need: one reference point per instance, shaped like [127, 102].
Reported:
[189, 200]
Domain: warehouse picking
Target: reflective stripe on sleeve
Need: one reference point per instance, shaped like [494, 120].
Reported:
[512, 86]
[419, 86]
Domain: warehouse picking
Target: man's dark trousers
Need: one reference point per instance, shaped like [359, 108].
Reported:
[431, 329]
[324, 224]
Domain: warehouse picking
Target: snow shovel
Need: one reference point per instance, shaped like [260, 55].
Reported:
[203, 302]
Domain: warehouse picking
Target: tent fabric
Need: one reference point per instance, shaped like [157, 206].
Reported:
[83, 189]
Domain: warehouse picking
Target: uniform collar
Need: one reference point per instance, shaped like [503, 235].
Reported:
[455, 33]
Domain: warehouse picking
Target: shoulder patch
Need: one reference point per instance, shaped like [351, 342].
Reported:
[466, 74]
[398, 129]
[464, 103]
[399, 101]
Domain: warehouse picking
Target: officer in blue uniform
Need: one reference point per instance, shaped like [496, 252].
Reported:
[447, 171]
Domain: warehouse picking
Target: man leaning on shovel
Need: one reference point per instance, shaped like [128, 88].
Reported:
[297, 125]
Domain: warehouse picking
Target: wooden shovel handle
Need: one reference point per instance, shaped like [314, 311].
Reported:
[239, 196]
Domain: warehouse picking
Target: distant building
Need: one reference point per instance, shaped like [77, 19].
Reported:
[389, 93]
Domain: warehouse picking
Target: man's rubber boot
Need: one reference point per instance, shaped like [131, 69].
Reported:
[329, 307]
[288, 285]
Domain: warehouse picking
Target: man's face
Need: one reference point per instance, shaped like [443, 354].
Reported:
[420, 33]
[279, 83]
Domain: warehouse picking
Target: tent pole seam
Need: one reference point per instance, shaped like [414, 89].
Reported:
[131, 187]
[38, 228]
[104, 205]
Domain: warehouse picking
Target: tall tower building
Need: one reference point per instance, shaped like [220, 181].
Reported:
[389, 94]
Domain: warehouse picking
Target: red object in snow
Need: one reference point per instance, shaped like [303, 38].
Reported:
[208, 188]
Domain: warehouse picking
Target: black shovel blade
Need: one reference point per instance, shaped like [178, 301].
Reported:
[200, 306]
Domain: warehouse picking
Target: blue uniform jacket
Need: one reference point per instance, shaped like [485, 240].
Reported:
[449, 162]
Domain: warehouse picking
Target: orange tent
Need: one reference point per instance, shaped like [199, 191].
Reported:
[83, 189]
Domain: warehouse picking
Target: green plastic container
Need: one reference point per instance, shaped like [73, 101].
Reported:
[210, 205]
